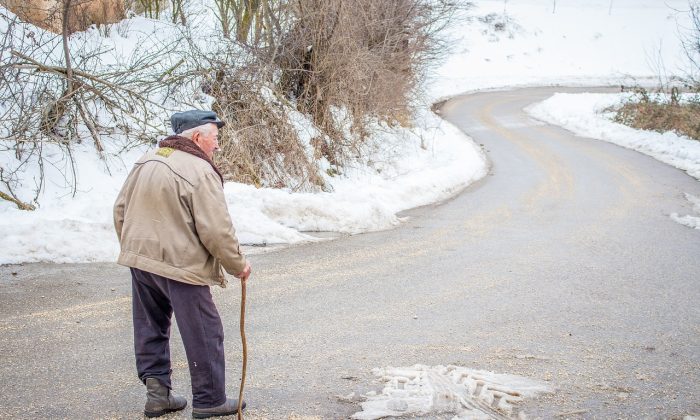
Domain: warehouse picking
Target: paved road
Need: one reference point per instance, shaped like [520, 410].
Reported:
[561, 265]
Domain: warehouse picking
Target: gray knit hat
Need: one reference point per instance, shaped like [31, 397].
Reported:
[181, 121]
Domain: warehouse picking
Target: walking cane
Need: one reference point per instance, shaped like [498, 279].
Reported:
[245, 351]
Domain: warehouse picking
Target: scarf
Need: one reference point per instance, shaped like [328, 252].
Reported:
[188, 146]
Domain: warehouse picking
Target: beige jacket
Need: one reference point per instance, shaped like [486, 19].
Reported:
[172, 220]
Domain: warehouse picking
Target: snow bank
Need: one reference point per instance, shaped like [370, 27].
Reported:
[403, 175]
[584, 114]
[66, 227]
[431, 390]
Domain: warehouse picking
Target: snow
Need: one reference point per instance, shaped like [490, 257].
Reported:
[584, 114]
[422, 390]
[692, 221]
[581, 43]
[66, 228]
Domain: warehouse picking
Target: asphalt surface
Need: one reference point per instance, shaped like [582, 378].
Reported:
[561, 265]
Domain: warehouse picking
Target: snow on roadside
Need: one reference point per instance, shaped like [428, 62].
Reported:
[430, 390]
[368, 198]
[405, 175]
[584, 114]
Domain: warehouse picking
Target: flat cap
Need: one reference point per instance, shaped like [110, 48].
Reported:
[181, 121]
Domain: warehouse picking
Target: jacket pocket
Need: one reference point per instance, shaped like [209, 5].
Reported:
[149, 248]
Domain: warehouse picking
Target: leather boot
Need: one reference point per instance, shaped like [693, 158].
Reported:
[159, 399]
[228, 408]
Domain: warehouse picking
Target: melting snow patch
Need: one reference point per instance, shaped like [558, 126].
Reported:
[690, 220]
[466, 393]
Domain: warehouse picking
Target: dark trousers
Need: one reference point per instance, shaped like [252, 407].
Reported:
[154, 300]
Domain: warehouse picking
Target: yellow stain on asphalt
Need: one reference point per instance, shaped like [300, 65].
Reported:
[631, 187]
[482, 224]
[88, 309]
[559, 182]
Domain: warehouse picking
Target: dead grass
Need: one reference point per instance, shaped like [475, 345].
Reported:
[645, 113]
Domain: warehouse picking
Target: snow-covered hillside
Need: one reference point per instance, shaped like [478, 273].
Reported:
[580, 43]
[530, 42]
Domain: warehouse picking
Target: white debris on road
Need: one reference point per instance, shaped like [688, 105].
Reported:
[466, 393]
[692, 221]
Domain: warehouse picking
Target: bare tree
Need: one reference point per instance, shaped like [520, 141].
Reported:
[55, 102]
[247, 18]
[178, 8]
[151, 8]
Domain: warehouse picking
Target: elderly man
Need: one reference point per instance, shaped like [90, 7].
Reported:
[176, 234]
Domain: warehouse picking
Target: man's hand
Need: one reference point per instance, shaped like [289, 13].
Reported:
[243, 275]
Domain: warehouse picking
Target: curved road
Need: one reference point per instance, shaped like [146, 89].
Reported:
[561, 265]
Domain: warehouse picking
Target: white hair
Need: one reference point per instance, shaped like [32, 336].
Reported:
[202, 129]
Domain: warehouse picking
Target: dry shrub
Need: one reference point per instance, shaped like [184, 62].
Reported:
[652, 113]
[259, 145]
[344, 64]
[365, 57]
